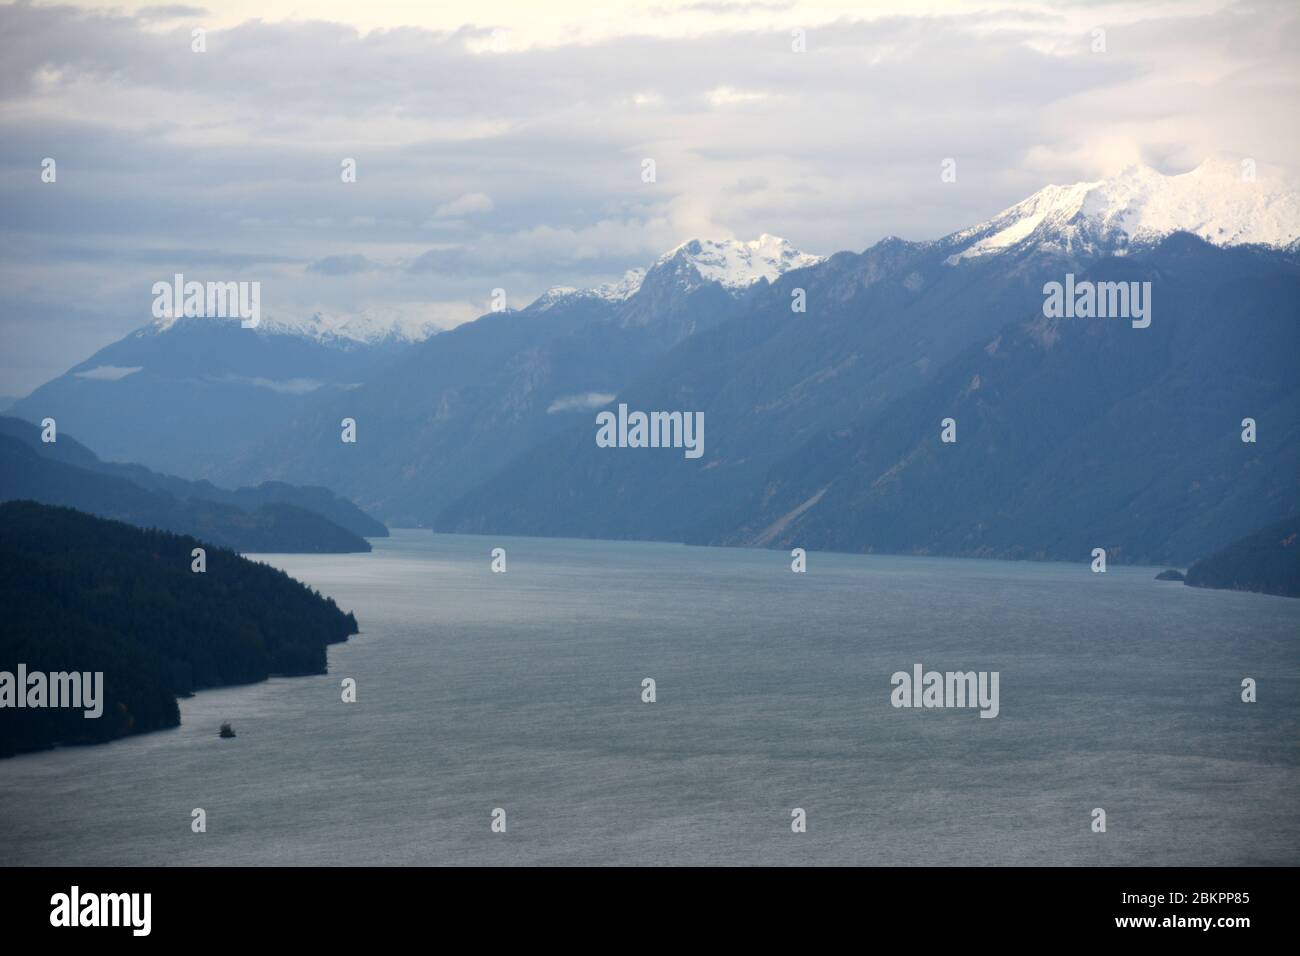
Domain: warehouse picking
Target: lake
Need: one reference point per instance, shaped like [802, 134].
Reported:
[523, 691]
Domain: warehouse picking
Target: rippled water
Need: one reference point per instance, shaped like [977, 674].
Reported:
[523, 691]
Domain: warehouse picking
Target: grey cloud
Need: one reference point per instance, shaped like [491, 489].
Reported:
[466, 205]
[170, 12]
[341, 265]
[293, 386]
[108, 373]
[581, 402]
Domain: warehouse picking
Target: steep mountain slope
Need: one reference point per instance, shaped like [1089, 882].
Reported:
[1073, 433]
[461, 405]
[183, 395]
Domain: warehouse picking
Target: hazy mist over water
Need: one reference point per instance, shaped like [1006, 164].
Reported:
[523, 691]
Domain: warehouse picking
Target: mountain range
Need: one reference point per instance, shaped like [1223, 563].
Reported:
[182, 394]
[823, 424]
[456, 408]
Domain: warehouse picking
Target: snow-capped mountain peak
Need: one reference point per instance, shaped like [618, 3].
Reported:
[1224, 202]
[737, 264]
[734, 263]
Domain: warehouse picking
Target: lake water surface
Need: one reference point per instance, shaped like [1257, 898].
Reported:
[523, 691]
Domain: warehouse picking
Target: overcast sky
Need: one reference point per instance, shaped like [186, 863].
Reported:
[500, 144]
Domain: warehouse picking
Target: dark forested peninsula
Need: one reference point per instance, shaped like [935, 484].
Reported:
[86, 594]
[1267, 561]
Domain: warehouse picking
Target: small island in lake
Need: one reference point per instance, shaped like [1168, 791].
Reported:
[1171, 575]
[226, 732]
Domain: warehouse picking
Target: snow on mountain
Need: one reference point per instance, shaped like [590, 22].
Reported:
[371, 326]
[1215, 201]
[737, 264]
[734, 263]
[624, 288]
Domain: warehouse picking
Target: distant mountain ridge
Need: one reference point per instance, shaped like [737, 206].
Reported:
[322, 501]
[266, 519]
[183, 395]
